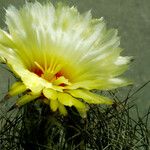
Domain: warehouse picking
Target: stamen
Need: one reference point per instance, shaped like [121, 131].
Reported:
[49, 74]
[39, 66]
[52, 73]
[45, 62]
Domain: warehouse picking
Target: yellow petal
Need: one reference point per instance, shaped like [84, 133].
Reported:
[17, 88]
[6, 39]
[3, 60]
[50, 94]
[90, 97]
[26, 99]
[82, 112]
[78, 104]
[31, 80]
[16, 84]
[62, 109]
[65, 99]
[61, 80]
[54, 105]
[68, 100]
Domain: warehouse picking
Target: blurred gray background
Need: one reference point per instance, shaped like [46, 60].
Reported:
[130, 17]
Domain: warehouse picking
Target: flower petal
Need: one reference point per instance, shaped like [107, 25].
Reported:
[90, 97]
[17, 88]
[50, 94]
[101, 84]
[54, 104]
[68, 100]
[62, 109]
[82, 112]
[26, 99]
[6, 39]
[61, 80]
[31, 80]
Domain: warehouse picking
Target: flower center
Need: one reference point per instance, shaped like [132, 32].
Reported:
[51, 74]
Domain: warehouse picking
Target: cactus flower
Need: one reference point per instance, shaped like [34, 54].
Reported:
[60, 56]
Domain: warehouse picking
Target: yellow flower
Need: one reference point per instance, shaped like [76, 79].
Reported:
[61, 55]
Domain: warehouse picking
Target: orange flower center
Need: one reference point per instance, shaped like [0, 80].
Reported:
[55, 76]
